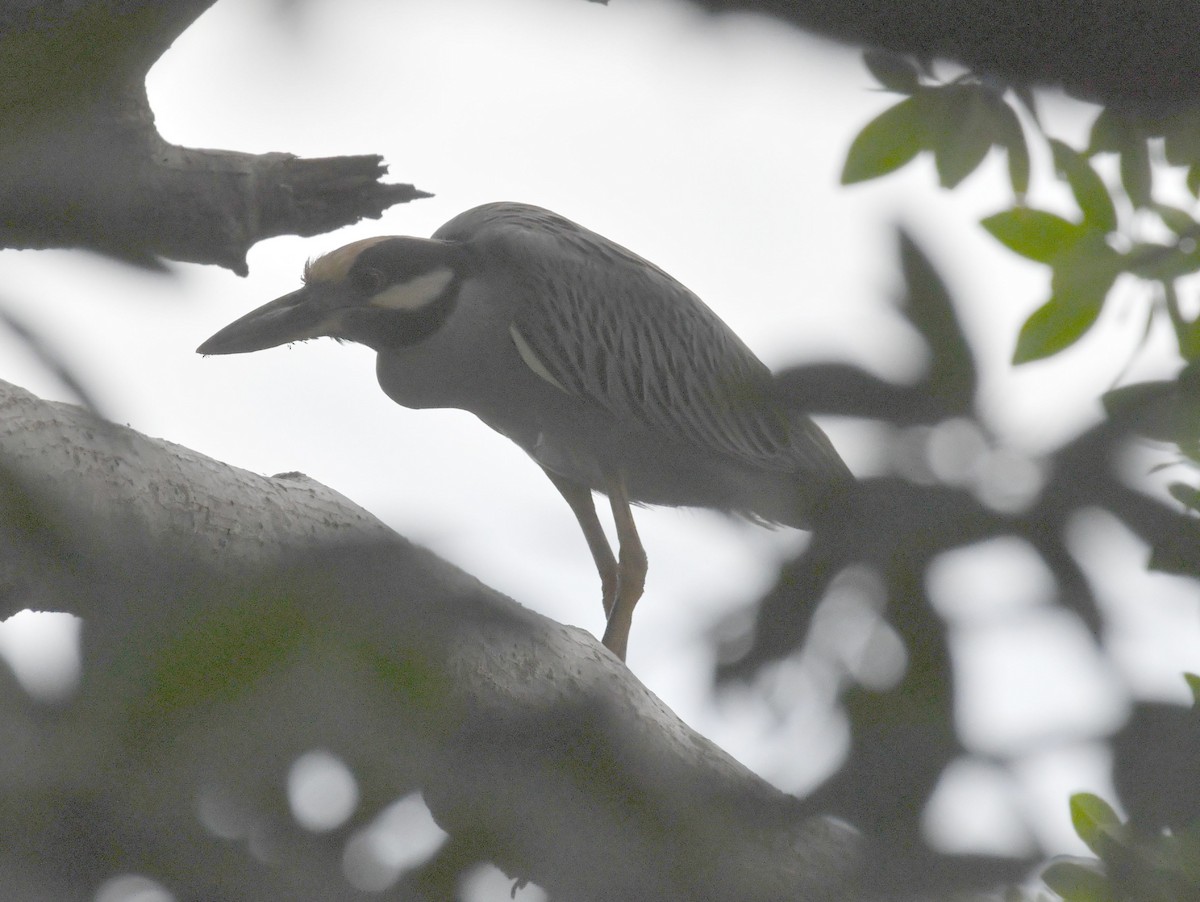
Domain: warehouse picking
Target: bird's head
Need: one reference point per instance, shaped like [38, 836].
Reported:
[383, 292]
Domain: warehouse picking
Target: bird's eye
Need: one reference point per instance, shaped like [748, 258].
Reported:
[366, 280]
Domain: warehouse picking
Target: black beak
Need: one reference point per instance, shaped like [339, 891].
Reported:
[294, 317]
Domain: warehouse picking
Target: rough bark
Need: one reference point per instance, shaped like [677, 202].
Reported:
[234, 621]
[82, 165]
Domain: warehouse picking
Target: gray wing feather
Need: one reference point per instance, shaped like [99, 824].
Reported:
[614, 329]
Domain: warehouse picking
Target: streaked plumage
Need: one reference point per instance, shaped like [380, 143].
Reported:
[607, 371]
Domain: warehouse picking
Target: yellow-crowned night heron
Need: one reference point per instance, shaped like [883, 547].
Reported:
[605, 370]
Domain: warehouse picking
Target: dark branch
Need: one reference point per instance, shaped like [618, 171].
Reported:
[1137, 56]
[82, 165]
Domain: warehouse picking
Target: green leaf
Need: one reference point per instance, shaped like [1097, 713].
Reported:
[1055, 326]
[1109, 133]
[886, 143]
[1179, 221]
[1008, 134]
[1161, 262]
[1169, 557]
[1189, 379]
[1193, 179]
[1182, 139]
[1094, 820]
[1077, 881]
[1082, 277]
[1162, 410]
[958, 129]
[1024, 93]
[1187, 333]
[892, 71]
[1089, 264]
[222, 654]
[1193, 682]
[1137, 399]
[410, 679]
[1035, 234]
[1187, 495]
[1135, 170]
[1115, 133]
[929, 307]
[1089, 189]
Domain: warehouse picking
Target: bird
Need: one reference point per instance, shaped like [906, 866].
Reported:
[609, 373]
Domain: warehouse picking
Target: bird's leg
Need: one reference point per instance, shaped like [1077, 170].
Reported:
[580, 500]
[631, 570]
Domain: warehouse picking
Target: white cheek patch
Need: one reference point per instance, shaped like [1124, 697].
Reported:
[416, 292]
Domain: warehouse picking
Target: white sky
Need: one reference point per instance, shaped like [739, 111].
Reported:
[713, 148]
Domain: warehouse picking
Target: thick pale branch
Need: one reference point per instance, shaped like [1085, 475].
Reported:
[234, 621]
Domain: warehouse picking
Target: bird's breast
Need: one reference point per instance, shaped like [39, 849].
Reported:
[475, 363]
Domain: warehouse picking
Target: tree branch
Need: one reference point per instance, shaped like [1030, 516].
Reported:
[82, 165]
[235, 621]
[1136, 57]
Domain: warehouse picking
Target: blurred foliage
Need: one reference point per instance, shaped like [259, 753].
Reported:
[903, 733]
[958, 122]
[897, 527]
[1122, 228]
[1166, 411]
[51, 359]
[1147, 862]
